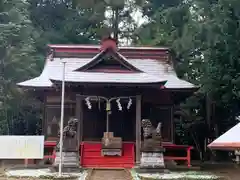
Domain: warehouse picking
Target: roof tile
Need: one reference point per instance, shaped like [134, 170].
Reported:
[154, 71]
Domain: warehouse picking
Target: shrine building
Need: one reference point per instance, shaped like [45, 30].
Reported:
[110, 89]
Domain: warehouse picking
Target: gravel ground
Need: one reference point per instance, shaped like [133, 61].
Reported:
[3, 177]
[228, 173]
[36, 174]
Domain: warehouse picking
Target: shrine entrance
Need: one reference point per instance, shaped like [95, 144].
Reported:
[121, 123]
[108, 131]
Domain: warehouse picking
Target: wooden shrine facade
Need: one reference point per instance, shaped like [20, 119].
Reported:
[142, 75]
[155, 105]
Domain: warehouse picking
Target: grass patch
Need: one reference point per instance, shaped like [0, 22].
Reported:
[190, 175]
[41, 178]
[39, 174]
[182, 179]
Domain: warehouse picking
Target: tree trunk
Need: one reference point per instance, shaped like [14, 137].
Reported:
[115, 23]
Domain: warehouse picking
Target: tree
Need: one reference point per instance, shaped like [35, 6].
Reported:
[66, 22]
[205, 38]
[118, 17]
[17, 58]
[222, 57]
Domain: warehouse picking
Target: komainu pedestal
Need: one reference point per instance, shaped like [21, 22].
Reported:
[69, 159]
[152, 160]
[70, 154]
[152, 150]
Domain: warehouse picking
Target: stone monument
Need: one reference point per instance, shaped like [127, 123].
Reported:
[152, 150]
[70, 153]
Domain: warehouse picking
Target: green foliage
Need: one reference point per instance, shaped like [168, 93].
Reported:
[26, 27]
[204, 36]
[17, 58]
[61, 22]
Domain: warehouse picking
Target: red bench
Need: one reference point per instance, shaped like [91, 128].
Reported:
[187, 148]
[52, 145]
[167, 146]
[47, 144]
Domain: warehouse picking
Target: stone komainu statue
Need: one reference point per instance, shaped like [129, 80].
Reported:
[69, 135]
[152, 136]
[70, 155]
[71, 129]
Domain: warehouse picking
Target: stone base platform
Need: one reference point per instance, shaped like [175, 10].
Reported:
[151, 170]
[70, 162]
[153, 160]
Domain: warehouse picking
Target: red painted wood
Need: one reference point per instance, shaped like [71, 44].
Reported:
[96, 49]
[78, 50]
[129, 52]
[90, 153]
[175, 146]
[108, 43]
[50, 143]
[179, 147]
[91, 156]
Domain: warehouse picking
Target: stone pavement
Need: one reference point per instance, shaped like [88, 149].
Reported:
[98, 174]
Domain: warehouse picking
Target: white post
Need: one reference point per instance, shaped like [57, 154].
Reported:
[62, 119]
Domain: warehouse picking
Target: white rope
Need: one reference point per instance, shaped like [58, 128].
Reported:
[88, 103]
[119, 104]
[129, 103]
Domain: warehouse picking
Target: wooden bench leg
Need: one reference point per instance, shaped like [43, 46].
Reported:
[28, 161]
[25, 162]
[189, 157]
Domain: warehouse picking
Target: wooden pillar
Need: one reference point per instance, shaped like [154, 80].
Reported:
[208, 110]
[138, 129]
[79, 116]
[44, 120]
[172, 125]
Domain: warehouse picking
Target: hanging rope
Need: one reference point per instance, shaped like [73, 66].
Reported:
[129, 103]
[119, 104]
[88, 103]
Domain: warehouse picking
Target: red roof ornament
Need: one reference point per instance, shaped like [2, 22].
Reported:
[108, 42]
[50, 55]
[162, 87]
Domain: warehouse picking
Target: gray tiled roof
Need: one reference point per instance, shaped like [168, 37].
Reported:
[98, 77]
[154, 71]
[163, 70]
[40, 81]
